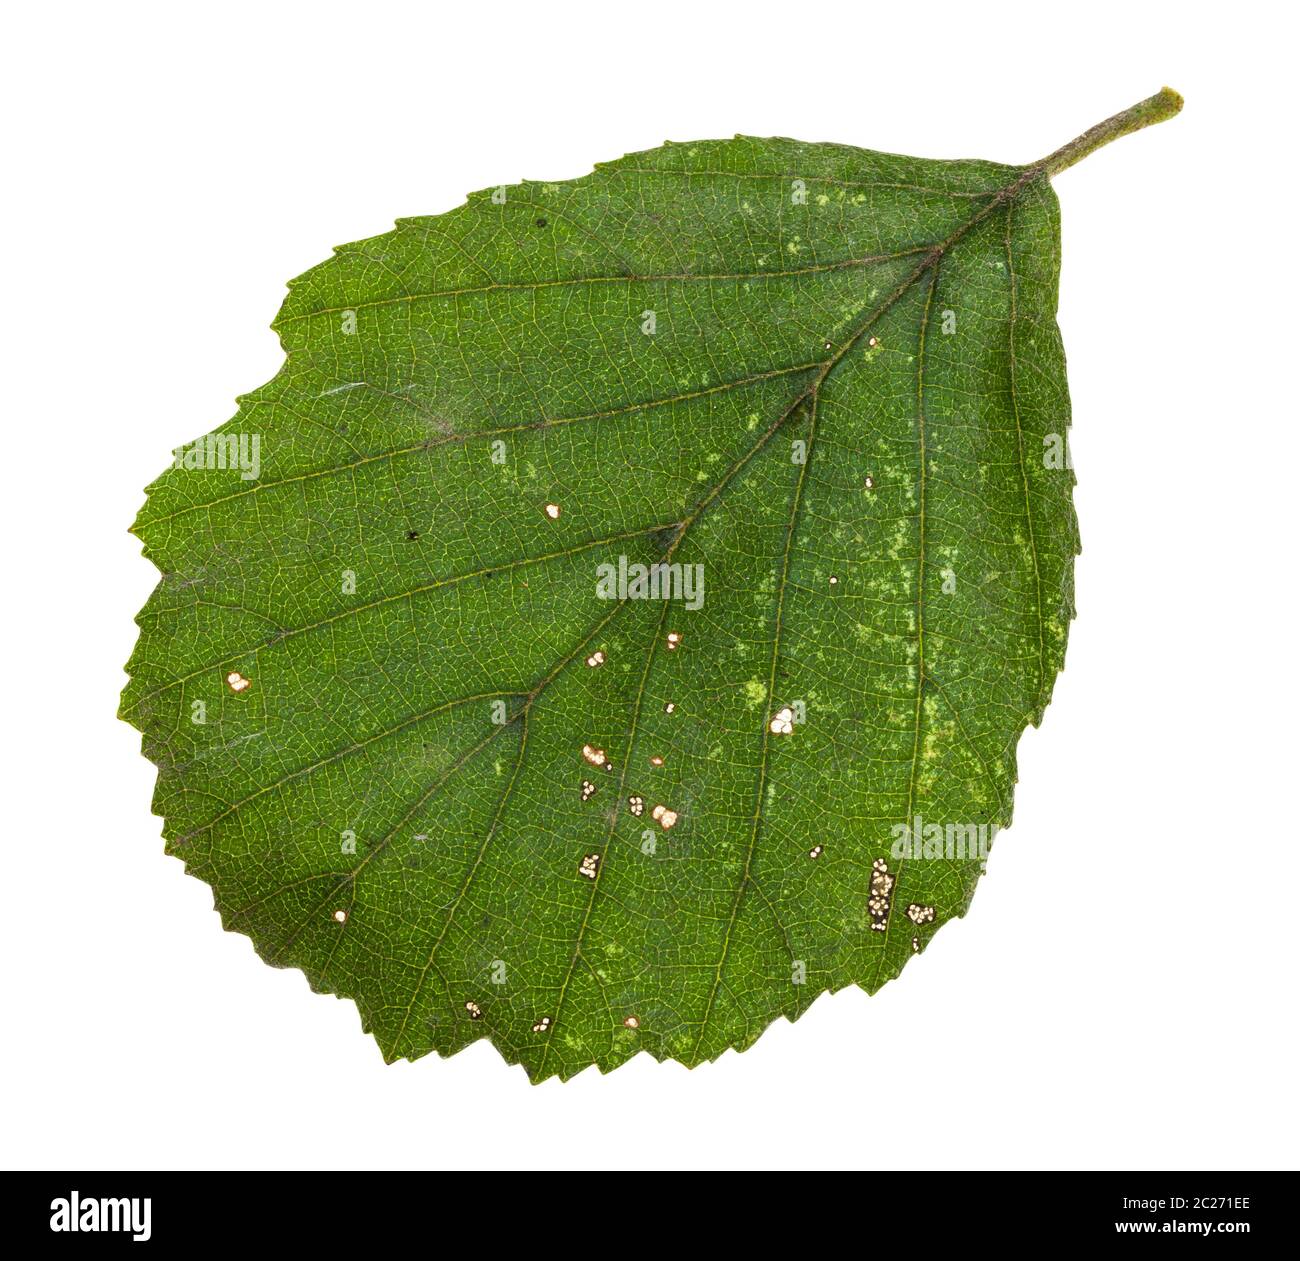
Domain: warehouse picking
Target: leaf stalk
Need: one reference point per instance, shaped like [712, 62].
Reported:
[1155, 109]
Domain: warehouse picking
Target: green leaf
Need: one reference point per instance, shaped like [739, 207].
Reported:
[417, 754]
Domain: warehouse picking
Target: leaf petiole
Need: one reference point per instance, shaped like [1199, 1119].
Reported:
[1155, 109]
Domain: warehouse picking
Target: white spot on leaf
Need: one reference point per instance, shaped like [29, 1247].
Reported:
[664, 817]
[782, 723]
[878, 903]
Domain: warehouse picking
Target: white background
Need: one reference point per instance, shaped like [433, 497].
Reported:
[1123, 992]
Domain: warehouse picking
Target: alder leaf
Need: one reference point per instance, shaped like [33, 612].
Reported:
[428, 736]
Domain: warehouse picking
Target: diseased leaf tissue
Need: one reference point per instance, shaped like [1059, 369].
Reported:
[613, 626]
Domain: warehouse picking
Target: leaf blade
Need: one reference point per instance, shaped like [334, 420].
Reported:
[778, 329]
